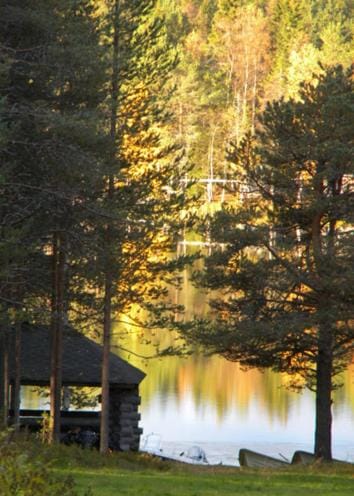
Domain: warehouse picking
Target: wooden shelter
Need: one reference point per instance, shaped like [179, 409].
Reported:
[82, 362]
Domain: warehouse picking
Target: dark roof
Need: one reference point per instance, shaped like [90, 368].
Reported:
[82, 360]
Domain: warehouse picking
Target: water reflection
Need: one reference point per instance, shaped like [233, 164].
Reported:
[210, 400]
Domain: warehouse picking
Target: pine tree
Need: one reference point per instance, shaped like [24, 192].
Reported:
[286, 269]
[51, 91]
[142, 189]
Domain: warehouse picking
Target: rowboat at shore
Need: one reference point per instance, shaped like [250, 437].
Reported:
[303, 458]
[306, 458]
[195, 455]
[252, 459]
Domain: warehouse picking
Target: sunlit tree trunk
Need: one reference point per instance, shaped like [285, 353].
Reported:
[245, 90]
[230, 76]
[211, 165]
[237, 117]
[254, 95]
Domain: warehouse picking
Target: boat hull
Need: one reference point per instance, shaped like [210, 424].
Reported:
[252, 459]
[306, 458]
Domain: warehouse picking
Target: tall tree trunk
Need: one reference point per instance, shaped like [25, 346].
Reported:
[4, 378]
[237, 117]
[57, 326]
[245, 91]
[211, 165]
[324, 366]
[107, 318]
[254, 96]
[229, 78]
[104, 428]
[17, 379]
[323, 428]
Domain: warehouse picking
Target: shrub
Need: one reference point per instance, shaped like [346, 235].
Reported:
[25, 472]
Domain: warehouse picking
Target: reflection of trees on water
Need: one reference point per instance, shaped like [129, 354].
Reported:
[345, 394]
[222, 386]
[216, 385]
[214, 382]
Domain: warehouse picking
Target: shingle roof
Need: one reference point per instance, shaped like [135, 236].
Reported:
[82, 360]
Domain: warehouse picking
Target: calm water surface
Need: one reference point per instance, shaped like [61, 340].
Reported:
[213, 403]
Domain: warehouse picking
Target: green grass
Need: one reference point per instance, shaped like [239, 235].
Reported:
[105, 483]
[139, 475]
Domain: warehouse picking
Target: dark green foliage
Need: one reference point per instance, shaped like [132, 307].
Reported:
[25, 471]
[58, 149]
[287, 268]
[143, 163]
[50, 95]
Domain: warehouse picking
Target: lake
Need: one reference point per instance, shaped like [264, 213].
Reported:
[213, 403]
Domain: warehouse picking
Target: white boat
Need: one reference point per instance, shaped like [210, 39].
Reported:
[194, 455]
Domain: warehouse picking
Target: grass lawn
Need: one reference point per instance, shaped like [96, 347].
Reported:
[29, 468]
[138, 475]
[171, 484]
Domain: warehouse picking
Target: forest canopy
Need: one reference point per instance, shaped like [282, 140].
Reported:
[127, 126]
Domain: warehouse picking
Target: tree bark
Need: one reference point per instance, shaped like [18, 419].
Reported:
[245, 91]
[17, 379]
[57, 326]
[107, 317]
[104, 427]
[2, 390]
[323, 428]
[324, 366]
[254, 96]
[4, 378]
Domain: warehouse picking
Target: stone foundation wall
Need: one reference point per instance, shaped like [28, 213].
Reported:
[124, 419]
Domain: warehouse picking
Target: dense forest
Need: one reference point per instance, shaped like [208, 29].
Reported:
[125, 124]
[235, 56]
